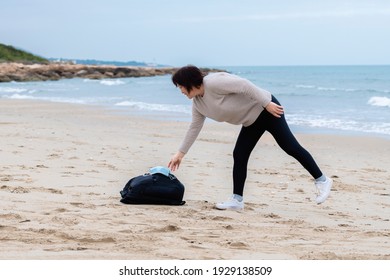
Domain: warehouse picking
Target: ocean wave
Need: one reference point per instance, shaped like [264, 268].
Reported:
[17, 90]
[90, 81]
[156, 107]
[339, 124]
[305, 86]
[51, 99]
[322, 88]
[12, 90]
[329, 89]
[18, 96]
[380, 101]
[378, 90]
[111, 82]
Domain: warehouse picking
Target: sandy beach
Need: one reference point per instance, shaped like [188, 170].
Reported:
[62, 167]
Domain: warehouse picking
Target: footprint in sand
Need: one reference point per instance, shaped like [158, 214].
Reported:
[54, 156]
[61, 210]
[321, 229]
[221, 218]
[87, 240]
[10, 216]
[272, 216]
[15, 189]
[168, 228]
[6, 178]
[65, 221]
[377, 233]
[344, 225]
[82, 205]
[238, 245]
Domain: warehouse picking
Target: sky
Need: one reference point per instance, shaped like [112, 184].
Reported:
[202, 32]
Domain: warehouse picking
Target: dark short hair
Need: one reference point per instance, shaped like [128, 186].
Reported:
[188, 76]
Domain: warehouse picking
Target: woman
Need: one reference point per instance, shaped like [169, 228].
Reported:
[229, 98]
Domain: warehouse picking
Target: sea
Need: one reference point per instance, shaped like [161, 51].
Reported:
[351, 100]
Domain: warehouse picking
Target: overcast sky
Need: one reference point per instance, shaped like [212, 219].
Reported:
[202, 32]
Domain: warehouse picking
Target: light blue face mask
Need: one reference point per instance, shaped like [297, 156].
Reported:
[160, 169]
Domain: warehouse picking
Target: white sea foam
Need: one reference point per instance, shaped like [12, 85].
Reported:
[90, 81]
[12, 90]
[156, 107]
[65, 100]
[380, 101]
[18, 96]
[378, 90]
[112, 82]
[317, 87]
[339, 124]
[320, 88]
[305, 86]
[51, 99]
[328, 89]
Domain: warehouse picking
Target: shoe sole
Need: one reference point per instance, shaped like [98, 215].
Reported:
[229, 208]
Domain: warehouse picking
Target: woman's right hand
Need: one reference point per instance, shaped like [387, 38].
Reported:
[175, 161]
[275, 109]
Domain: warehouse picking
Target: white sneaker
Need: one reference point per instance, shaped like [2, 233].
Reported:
[323, 190]
[232, 204]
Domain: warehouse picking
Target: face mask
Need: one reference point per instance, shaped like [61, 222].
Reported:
[160, 169]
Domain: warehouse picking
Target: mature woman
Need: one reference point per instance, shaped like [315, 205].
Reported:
[228, 98]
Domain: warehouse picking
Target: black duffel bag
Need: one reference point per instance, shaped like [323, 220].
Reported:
[157, 187]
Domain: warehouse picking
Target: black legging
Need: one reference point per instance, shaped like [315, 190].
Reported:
[249, 136]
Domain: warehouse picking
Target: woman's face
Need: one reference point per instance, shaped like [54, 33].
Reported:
[184, 91]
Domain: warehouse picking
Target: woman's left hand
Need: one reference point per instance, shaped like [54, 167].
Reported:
[275, 109]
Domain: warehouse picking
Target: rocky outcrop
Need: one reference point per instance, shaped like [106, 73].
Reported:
[54, 71]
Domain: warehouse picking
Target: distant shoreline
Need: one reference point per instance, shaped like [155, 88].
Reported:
[18, 72]
[55, 71]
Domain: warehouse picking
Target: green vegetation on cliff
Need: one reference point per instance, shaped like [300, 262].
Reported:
[11, 54]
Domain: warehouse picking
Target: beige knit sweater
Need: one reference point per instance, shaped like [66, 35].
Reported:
[227, 98]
